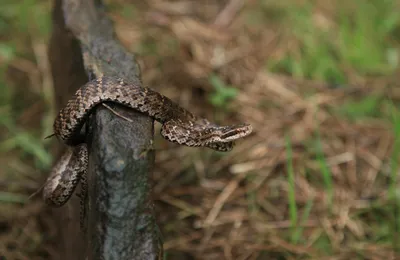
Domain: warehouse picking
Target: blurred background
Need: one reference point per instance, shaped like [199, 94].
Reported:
[317, 79]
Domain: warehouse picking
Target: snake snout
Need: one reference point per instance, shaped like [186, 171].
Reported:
[236, 132]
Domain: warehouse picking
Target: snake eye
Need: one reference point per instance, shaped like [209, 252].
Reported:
[236, 133]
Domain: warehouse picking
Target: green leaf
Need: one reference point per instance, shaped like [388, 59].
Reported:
[222, 93]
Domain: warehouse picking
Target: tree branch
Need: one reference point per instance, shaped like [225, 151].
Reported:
[121, 222]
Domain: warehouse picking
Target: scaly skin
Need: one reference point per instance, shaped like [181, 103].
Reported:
[178, 126]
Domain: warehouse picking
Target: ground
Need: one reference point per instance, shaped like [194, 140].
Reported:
[317, 179]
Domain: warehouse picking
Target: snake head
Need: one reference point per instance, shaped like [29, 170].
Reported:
[223, 138]
[235, 132]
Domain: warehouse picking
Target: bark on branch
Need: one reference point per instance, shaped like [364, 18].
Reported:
[121, 222]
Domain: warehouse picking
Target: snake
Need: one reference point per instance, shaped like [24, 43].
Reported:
[178, 126]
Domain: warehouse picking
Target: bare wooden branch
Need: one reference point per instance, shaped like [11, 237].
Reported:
[121, 222]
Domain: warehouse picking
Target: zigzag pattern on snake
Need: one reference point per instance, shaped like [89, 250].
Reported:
[178, 125]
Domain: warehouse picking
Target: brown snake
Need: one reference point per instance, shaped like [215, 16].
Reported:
[178, 126]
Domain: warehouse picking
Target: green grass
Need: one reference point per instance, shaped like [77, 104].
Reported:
[24, 154]
[394, 162]
[291, 190]
[361, 38]
[24, 18]
[222, 94]
[374, 106]
[296, 224]
[367, 107]
[324, 168]
[364, 38]
[21, 24]
[8, 197]
[28, 143]
[298, 232]
[323, 243]
[394, 192]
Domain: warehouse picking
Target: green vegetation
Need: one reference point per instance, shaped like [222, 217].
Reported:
[26, 20]
[291, 189]
[344, 43]
[222, 93]
[325, 170]
[24, 28]
[361, 41]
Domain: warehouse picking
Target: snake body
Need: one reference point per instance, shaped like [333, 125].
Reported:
[178, 126]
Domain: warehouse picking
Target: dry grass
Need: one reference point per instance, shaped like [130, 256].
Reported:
[314, 180]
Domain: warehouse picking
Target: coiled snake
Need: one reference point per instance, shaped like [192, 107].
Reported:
[178, 125]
